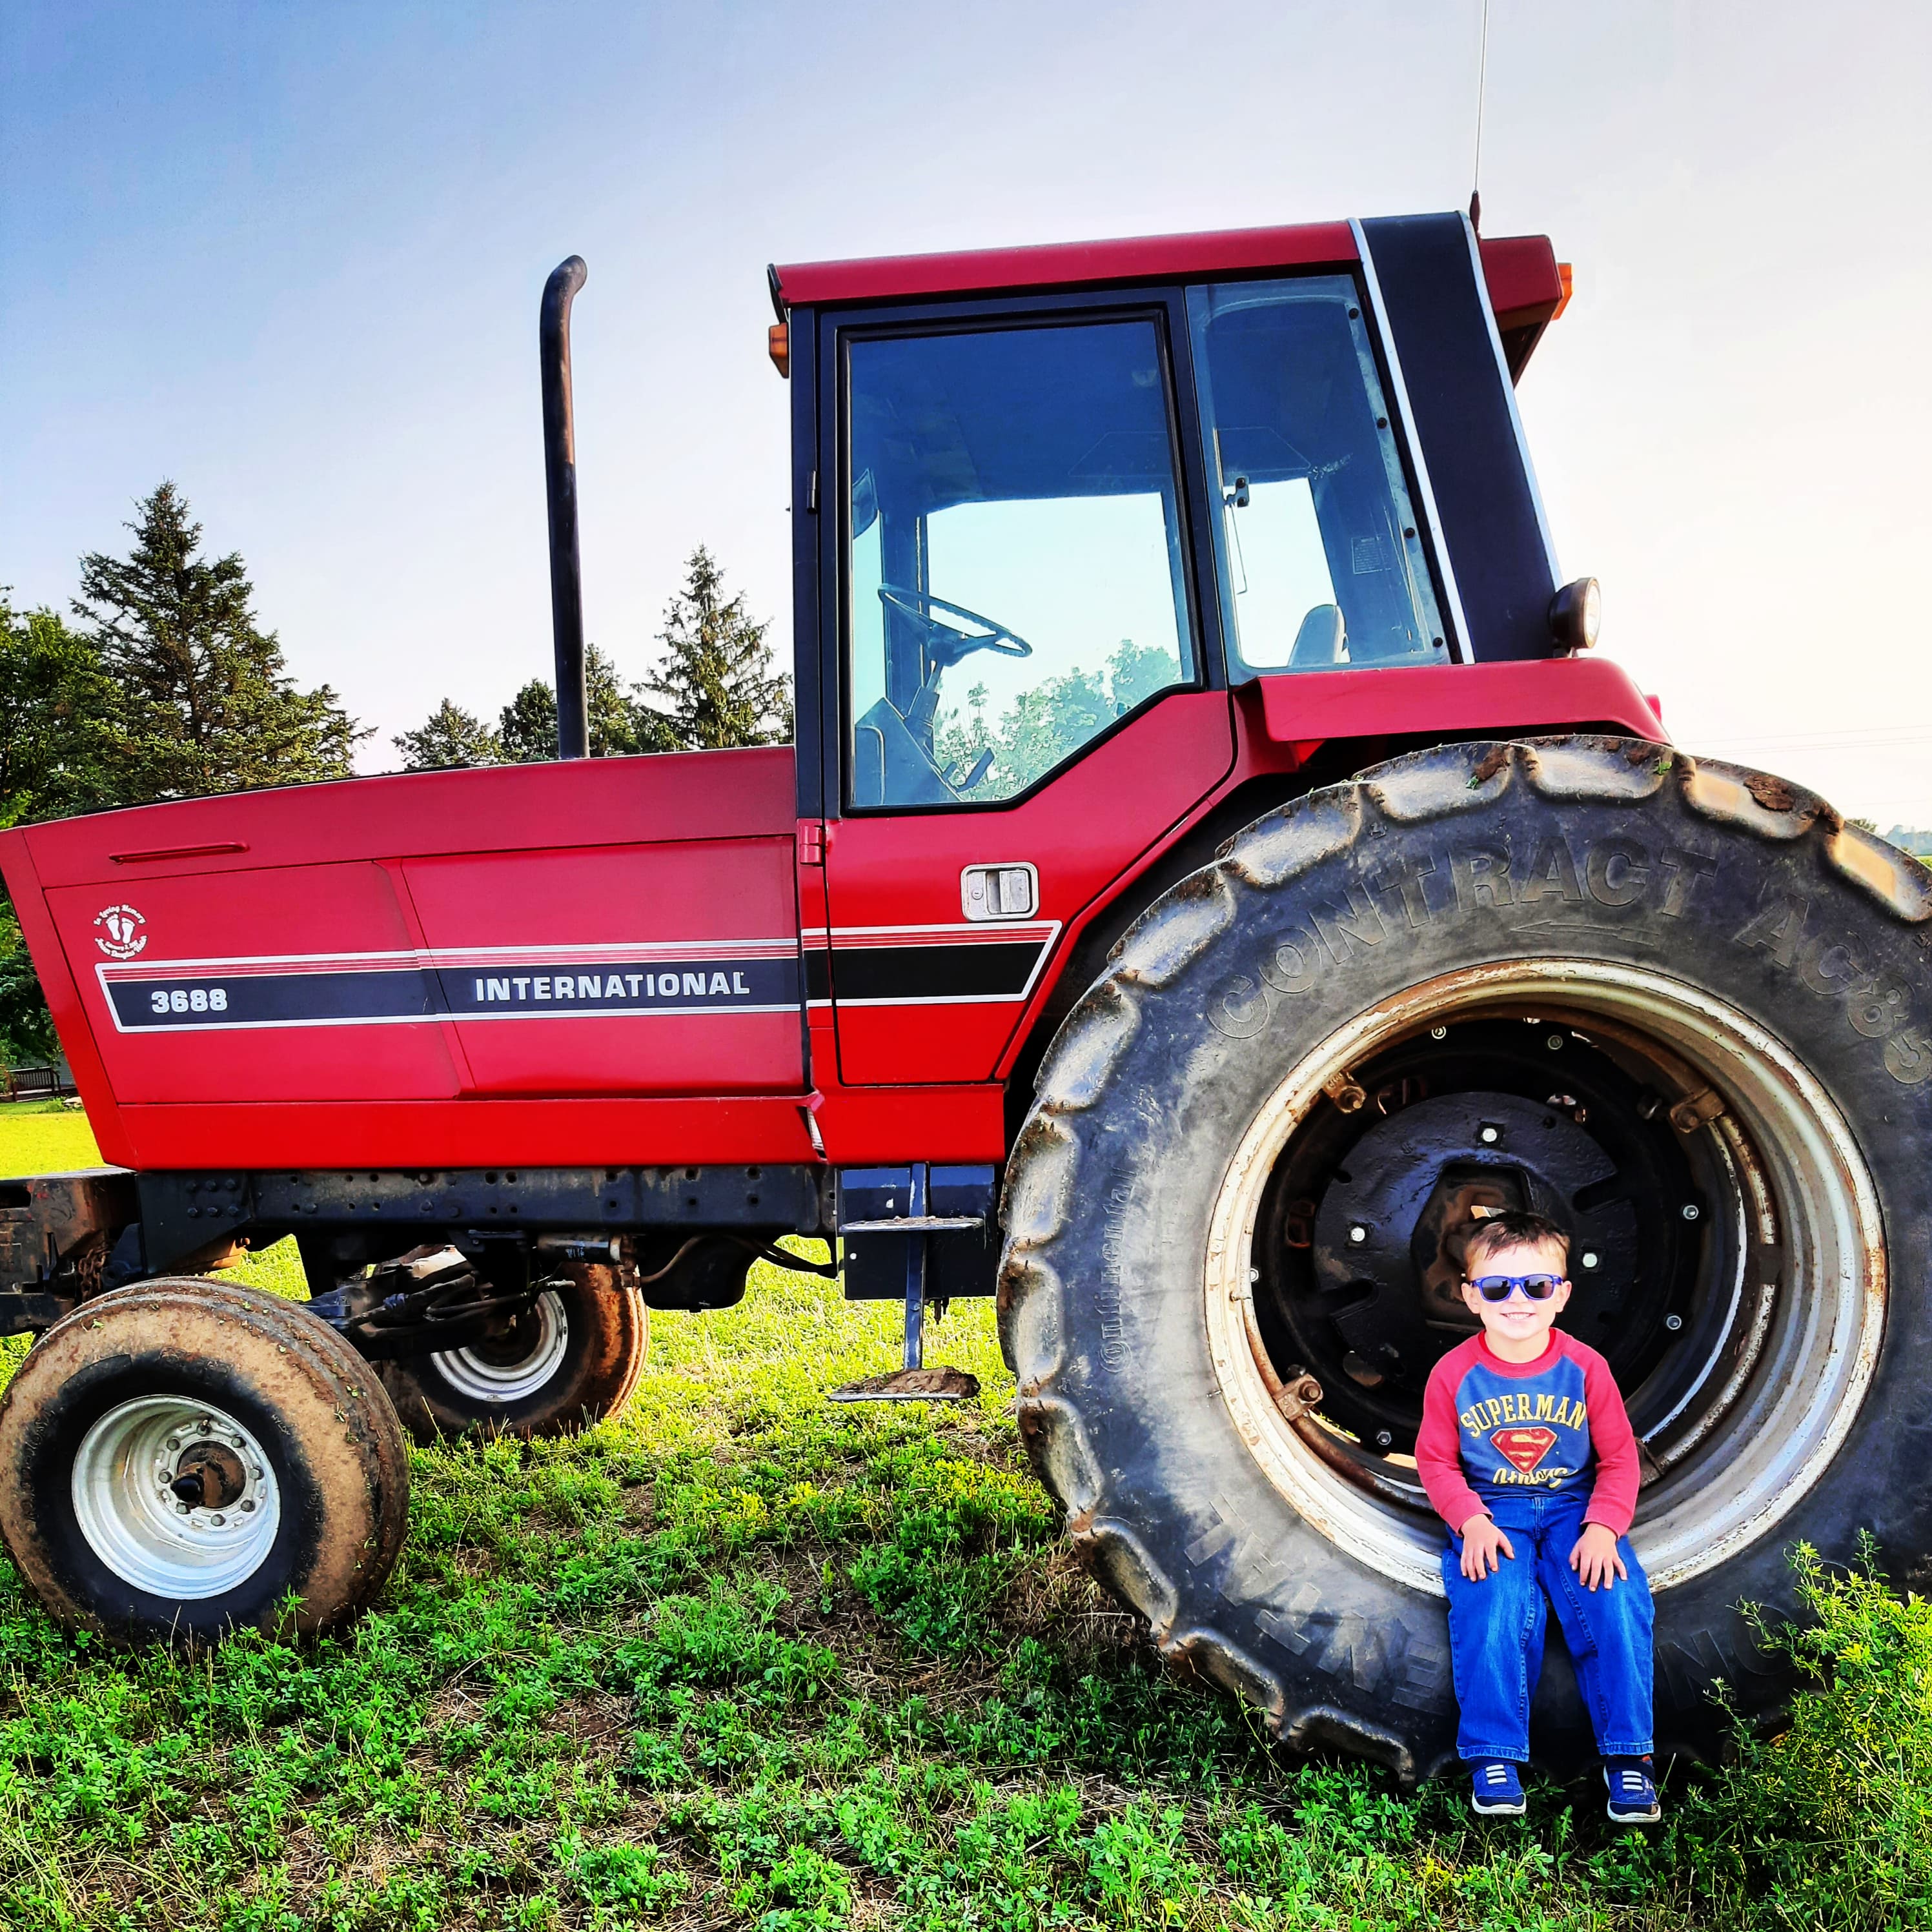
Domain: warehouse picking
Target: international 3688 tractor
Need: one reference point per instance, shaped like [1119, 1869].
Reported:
[1212, 872]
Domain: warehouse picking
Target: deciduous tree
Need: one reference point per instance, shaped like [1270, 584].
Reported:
[59, 740]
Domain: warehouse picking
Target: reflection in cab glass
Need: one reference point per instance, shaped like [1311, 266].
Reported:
[1015, 577]
[1321, 557]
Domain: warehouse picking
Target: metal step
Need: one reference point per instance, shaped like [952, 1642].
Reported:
[915, 1382]
[914, 1224]
[938, 1383]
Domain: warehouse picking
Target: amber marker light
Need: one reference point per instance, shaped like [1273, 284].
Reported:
[1563, 276]
[778, 339]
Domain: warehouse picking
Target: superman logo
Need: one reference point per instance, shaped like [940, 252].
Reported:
[1525, 1448]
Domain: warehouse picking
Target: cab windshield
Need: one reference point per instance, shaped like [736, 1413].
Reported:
[1016, 564]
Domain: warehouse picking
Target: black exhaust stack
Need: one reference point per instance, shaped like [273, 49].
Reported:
[566, 578]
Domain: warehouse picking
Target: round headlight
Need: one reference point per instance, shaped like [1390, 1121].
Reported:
[1577, 615]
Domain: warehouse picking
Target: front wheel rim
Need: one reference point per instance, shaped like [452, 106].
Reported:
[134, 1521]
[1805, 1175]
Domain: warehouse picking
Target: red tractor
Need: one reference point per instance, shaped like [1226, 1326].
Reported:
[1212, 873]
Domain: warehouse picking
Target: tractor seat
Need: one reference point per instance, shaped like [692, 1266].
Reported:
[1322, 640]
[890, 767]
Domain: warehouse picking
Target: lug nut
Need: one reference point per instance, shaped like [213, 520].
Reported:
[1554, 1043]
[248, 1503]
[1690, 1211]
[1673, 1322]
[218, 1521]
[1383, 1439]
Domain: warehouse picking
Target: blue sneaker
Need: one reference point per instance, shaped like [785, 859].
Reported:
[1495, 1791]
[1633, 1798]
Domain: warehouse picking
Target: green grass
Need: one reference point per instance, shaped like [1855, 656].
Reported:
[743, 1658]
[44, 1137]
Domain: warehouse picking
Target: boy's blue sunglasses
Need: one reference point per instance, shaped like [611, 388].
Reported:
[1535, 1287]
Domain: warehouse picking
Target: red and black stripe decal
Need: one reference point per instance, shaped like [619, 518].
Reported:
[902, 966]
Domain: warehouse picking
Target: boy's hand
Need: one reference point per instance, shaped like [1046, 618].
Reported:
[1483, 1548]
[1595, 1556]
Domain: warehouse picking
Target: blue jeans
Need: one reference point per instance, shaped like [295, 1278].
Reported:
[1496, 1627]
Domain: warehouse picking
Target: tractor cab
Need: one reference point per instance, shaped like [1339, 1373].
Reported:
[1087, 537]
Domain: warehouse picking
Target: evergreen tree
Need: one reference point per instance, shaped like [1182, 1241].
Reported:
[526, 726]
[619, 723]
[450, 738]
[718, 683]
[207, 703]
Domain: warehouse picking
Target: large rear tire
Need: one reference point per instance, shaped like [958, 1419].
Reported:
[1682, 1007]
[183, 1457]
[568, 1361]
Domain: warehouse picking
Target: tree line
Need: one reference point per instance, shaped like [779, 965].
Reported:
[160, 683]
[716, 686]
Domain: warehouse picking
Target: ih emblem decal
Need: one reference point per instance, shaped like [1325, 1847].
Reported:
[1525, 1448]
[117, 931]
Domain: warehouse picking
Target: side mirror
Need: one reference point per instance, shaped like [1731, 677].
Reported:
[1577, 615]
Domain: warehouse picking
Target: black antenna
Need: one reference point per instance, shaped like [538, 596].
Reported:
[566, 580]
[1482, 83]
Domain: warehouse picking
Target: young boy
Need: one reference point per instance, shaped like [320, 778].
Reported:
[1527, 1454]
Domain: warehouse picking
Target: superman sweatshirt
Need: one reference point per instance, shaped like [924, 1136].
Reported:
[1492, 1428]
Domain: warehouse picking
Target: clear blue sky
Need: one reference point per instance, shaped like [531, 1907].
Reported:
[289, 256]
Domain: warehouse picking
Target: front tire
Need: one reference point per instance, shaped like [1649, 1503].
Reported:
[181, 1458]
[1682, 1007]
[570, 1359]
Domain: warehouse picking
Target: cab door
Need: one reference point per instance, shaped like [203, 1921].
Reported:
[1024, 706]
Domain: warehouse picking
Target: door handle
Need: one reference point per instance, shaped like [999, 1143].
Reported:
[1008, 891]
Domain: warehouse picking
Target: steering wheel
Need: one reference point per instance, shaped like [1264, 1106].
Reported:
[947, 643]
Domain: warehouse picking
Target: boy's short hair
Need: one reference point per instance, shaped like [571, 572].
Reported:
[1513, 1228]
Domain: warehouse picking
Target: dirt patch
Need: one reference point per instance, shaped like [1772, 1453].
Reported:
[1774, 794]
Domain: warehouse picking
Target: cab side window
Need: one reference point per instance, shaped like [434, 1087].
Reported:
[1015, 571]
[1321, 560]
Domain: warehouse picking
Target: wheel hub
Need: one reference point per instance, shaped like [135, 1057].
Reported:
[175, 1497]
[1361, 1284]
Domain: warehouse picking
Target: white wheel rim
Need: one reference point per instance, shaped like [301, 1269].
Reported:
[1837, 1260]
[134, 1521]
[472, 1374]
